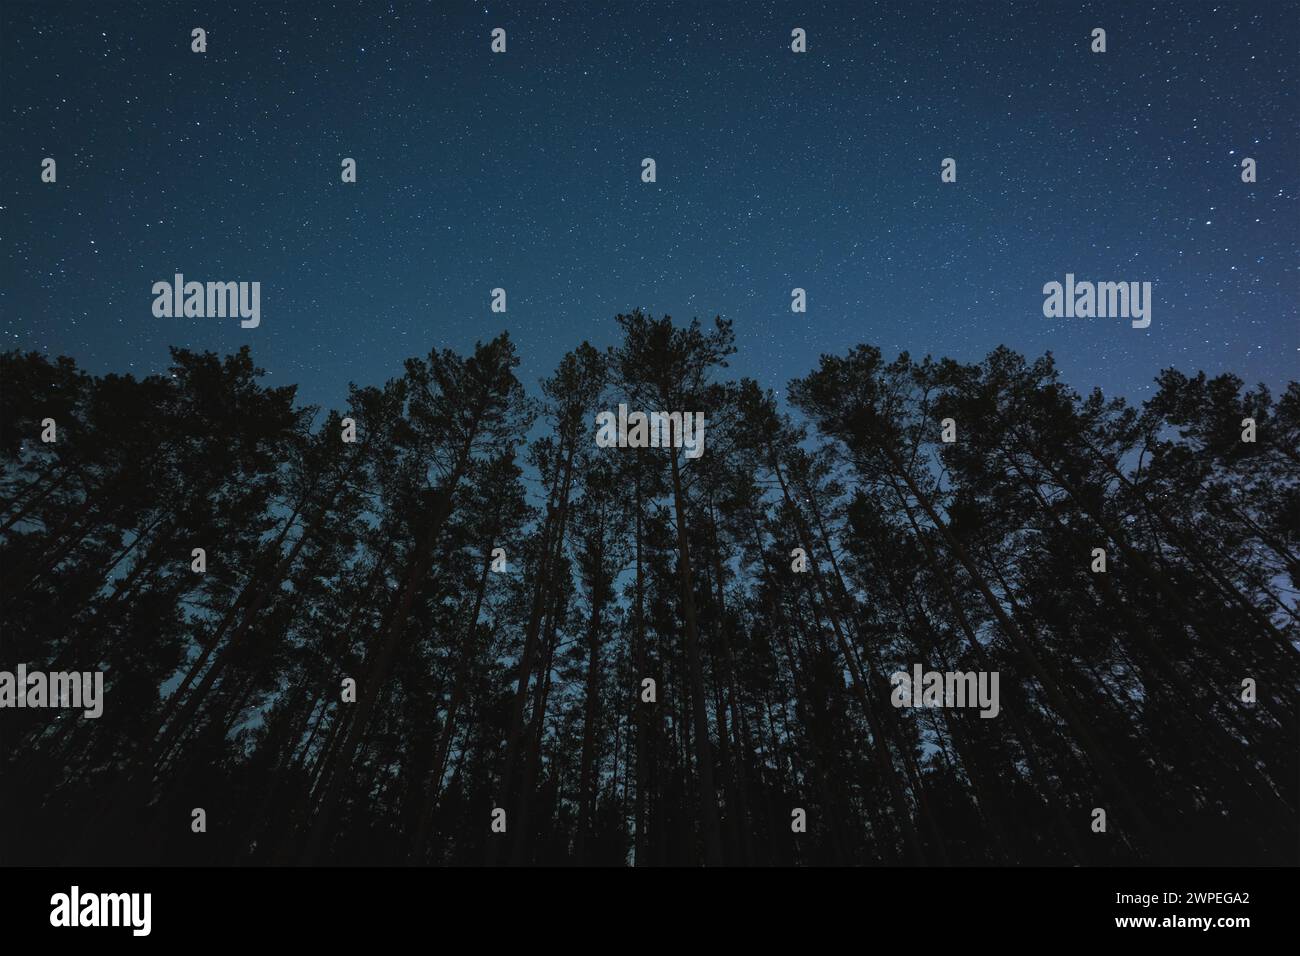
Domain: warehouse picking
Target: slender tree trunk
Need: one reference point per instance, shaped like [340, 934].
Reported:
[591, 715]
[708, 794]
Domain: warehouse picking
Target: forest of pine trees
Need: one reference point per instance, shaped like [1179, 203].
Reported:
[524, 688]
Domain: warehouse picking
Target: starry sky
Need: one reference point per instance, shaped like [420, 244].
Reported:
[522, 170]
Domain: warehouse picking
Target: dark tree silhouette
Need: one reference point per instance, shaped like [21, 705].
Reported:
[475, 612]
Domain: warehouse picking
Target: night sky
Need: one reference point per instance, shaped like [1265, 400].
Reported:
[775, 170]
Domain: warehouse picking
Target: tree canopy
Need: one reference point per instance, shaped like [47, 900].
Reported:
[443, 626]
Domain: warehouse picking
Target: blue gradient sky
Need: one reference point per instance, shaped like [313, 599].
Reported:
[775, 170]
